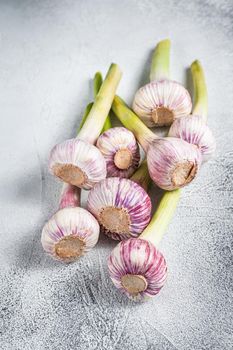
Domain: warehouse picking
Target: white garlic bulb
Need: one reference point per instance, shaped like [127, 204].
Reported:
[161, 102]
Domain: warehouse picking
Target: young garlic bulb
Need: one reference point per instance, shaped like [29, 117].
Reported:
[72, 231]
[193, 128]
[161, 101]
[136, 266]
[121, 206]
[173, 163]
[120, 150]
[78, 161]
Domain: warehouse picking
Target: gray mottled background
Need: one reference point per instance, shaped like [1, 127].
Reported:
[49, 51]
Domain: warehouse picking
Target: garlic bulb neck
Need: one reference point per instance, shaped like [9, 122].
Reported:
[123, 158]
[69, 248]
[70, 196]
[134, 284]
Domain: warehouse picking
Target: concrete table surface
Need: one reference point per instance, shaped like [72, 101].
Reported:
[49, 51]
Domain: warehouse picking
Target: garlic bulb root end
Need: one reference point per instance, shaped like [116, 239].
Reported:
[134, 284]
[115, 219]
[162, 116]
[70, 173]
[69, 248]
[123, 158]
[183, 173]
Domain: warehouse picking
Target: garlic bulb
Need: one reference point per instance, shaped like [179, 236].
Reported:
[120, 150]
[193, 129]
[71, 231]
[136, 266]
[172, 162]
[69, 234]
[163, 100]
[78, 161]
[121, 206]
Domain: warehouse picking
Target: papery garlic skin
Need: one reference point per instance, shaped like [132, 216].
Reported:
[82, 162]
[111, 143]
[121, 206]
[75, 224]
[193, 129]
[172, 162]
[159, 103]
[137, 260]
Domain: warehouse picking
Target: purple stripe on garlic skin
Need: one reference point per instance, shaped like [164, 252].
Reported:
[160, 102]
[144, 261]
[79, 155]
[121, 206]
[172, 162]
[114, 141]
[194, 130]
[74, 225]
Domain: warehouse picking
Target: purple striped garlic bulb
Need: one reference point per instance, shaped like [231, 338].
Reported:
[120, 150]
[173, 163]
[137, 268]
[194, 130]
[161, 101]
[77, 161]
[72, 231]
[121, 206]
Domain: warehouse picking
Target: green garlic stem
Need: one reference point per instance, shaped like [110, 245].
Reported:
[142, 176]
[85, 115]
[200, 90]
[162, 217]
[160, 61]
[98, 81]
[101, 107]
[132, 122]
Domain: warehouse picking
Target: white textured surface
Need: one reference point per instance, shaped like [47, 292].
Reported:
[49, 52]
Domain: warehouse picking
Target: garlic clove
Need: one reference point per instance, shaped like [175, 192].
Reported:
[69, 234]
[121, 206]
[172, 163]
[77, 162]
[192, 129]
[137, 268]
[120, 150]
[159, 103]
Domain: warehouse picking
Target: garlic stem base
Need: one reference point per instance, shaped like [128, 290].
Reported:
[70, 173]
[123, 159]
[162, 116]
[69, 248]
[115, 219]
[183, 173]
[134, 284]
